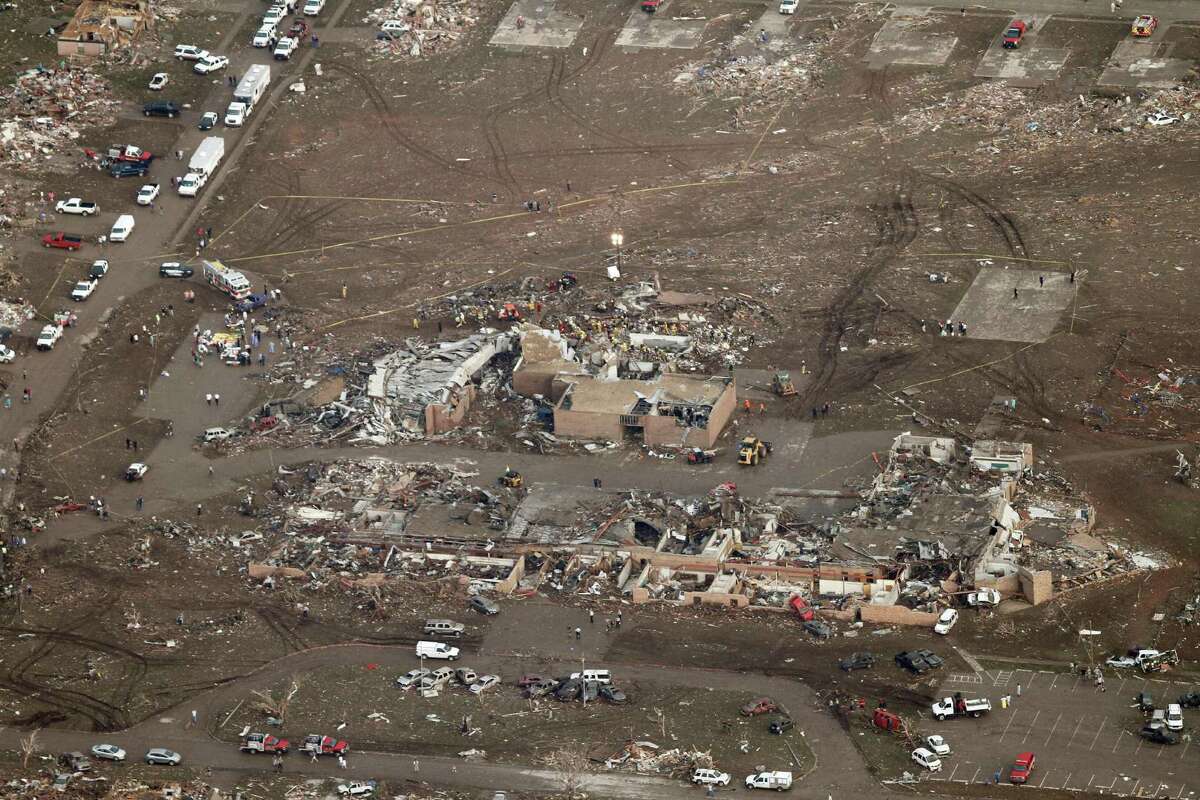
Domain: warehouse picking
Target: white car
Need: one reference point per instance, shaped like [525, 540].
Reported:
[136, 471]
[925, 758]
[108, 752]
[273, 16]
[287, 45]
[313, 7]
[158, 81]
[411, 678]
[484, 683]
[395, 26]
[161, 755]
[938, 745]
[1161, 118]
[710, 777]
[7, 356]
[48, 337]
[946, 621]
[210, 64]
[984, 597]
[1175, 717]
[188, 52]
[788, 6]
[235, 115]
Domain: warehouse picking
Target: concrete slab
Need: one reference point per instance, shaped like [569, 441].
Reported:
[659, 30]
[910, 37]
[1144, 63]
[543, 26]
[1031, 65]
[991, 312]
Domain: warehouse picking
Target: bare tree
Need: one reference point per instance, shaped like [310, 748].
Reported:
[276, 703]
[29, 746]
[570, 763]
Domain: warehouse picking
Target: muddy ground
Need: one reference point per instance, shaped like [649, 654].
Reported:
[863, 201]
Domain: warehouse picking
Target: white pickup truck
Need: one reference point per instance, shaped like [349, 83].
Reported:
[76, 206]
[49, 337]
[83, 290]
[769, 780]
[959, 706]
[147, 194]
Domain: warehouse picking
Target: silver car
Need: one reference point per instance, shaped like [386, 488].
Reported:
[161, 755]
[108, 752]
[411, 678]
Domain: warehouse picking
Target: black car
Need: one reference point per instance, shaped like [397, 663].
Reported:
[252, 303]
[161, 108]
[173, 269]
[857, 661]
[780, 726]
[1190, 700]
[568, 690]
[1145, 701]
[1159, 735]
[128, 169]
[612, 694]
[483, 605]
[918, 661]
[5, 334]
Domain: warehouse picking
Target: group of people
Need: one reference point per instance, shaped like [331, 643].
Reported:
[947, 328]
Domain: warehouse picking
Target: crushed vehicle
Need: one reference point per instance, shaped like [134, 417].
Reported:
[857, 661]
[762, 705]
[919, 661]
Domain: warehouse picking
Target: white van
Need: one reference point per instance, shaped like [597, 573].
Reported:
[121, 228]
[436, 650]
[597, 675]
[313, 7]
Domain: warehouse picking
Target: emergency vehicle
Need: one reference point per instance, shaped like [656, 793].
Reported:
[230, 281]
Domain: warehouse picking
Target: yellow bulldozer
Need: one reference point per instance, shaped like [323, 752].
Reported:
[512, 479]
[752, 451]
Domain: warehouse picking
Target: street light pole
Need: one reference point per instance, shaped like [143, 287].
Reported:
[618, 239]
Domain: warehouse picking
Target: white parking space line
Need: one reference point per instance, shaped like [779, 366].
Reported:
[1116, 744]
[1066, 781]
[975, 777]
[1031, 724]
[1090, 783]
[1134, 791]
[1077, 724]
[1043, 780]
[1137, 749]
[1186, 745]
[1103, 722]
[1052, 730]
[1009, 725]
[1076, 684]
[1181, 788]
[956, 766]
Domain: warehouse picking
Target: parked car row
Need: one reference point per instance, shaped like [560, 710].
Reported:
[155, 755]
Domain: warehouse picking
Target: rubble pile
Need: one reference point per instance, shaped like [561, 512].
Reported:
[760, 74]
[44, 110]
[1020, 120]
[417, 28]
[648, 758]
[1157, 403]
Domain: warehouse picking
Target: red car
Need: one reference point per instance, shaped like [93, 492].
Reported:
[650, 6]
[802, 608]
[323, 745]
[1021, 768]
[763, 705]
[1014, 34]
[529, 680]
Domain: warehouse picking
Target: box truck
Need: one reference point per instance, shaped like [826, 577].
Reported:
[202, 165]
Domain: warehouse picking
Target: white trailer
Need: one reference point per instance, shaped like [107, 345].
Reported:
[252, 86]
[203, 164]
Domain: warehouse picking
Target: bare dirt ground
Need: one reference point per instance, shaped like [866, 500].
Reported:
[403, 185]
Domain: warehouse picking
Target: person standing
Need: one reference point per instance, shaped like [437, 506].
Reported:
[591, 617]
[199, 509]
[216, 399]
[139, 503]
[578, 633]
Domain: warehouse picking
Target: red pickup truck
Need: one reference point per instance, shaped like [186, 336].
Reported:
[650, 6]
[62, 240]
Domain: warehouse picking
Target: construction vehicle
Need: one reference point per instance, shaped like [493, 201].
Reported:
[752, 451]
[509, 311]
[698, 456]
[511, 479]
[781, 384]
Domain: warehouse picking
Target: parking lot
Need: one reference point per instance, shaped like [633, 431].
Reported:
[1085, 739]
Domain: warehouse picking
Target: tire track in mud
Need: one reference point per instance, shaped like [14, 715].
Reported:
[377, 100]
[1000, 220]
[104, 716]
[274, 621]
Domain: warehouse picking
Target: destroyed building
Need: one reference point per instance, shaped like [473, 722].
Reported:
[667, 411]
[101, 26]
[427, 388]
